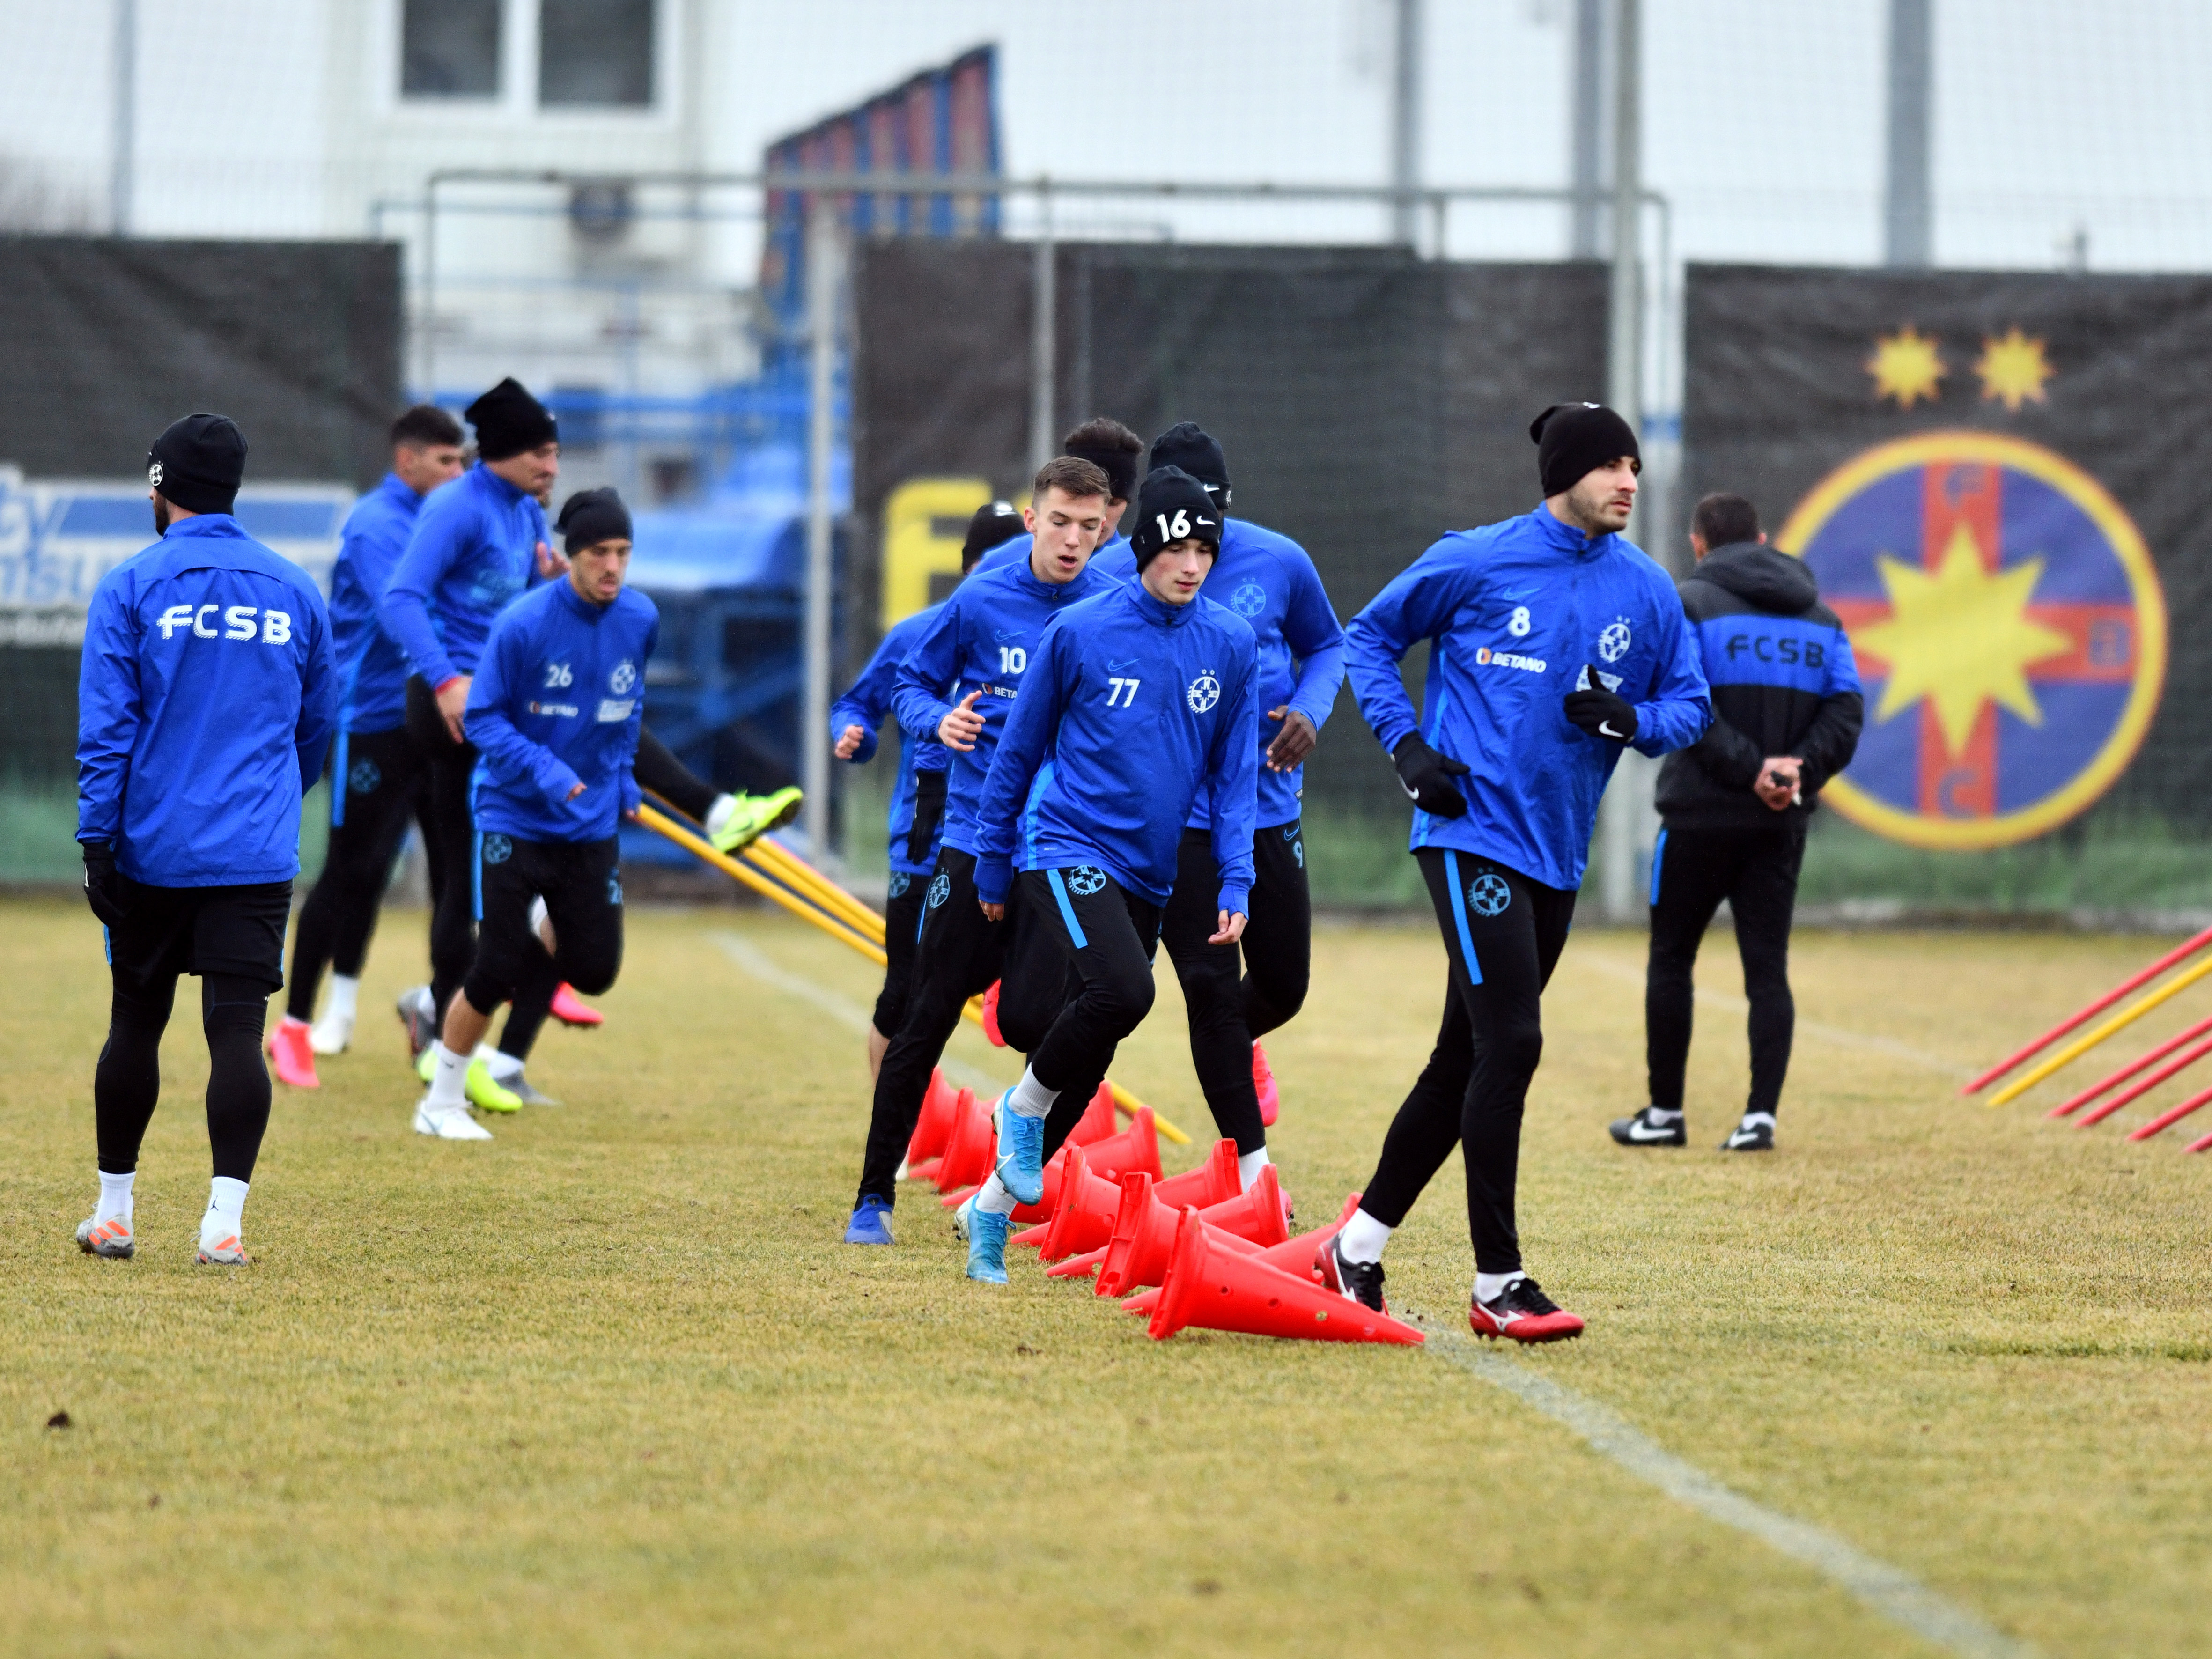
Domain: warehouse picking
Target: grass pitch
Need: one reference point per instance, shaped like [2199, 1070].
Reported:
[610, 1386]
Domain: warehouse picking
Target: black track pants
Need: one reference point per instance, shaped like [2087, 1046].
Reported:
[1691, 871]
[385, 783]
[1234, 997]
[658, 769]
[1080, 918]
[453, 944]
[1503, 933]
[958, 954]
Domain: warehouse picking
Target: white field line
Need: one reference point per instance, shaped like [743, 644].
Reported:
[1835, 1035]
[1882, 1588]
[843, 1009]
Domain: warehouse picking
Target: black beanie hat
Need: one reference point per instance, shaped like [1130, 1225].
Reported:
[508, 421]
[1570, 439]
[1188, 446]
[197, 462]
[1171, 494]
[592, 516]
[994, 522]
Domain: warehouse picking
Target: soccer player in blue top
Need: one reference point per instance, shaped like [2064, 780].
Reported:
[957, 685]
[377, 773]
[1115, 451]
[478, 543]
[1140, 701]
[1554, 644]
[1236, 994]
[554, 706]
[917, 809]
[204, 703]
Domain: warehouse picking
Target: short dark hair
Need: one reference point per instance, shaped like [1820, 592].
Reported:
[1724, 520]
[425, 425]
[1072, 477]
[1112, 447]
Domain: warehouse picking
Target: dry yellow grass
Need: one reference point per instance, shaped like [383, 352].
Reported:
[610, 1386]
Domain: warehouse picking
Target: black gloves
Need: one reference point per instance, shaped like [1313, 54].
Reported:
[1427, 777]
[1600, 713]
[103, 887]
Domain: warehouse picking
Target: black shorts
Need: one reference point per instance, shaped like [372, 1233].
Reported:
[235, 931]
[581, 882]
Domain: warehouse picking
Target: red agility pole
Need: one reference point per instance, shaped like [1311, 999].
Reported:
[2172, 1116]
[2203, 1145]
[2136, 1091]
[2180, 953]
[2148, 1057]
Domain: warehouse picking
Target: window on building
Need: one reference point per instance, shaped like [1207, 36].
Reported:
[449, 48]
[595, 54]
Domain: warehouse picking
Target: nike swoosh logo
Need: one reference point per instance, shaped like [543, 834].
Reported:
[1646, 1132]
[1126, 662]
[1606, 730]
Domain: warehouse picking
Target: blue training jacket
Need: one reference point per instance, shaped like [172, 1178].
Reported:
[1135, 709]
[557, 700]
[981, 640]
[1514, 612]
[1269, 579]
[372, 668]
[866, 705]
[205, 699]
[474, 550]
[1115, 558]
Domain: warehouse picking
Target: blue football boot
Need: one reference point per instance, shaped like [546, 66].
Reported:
[870, 1222]
[1020, 1168]
[986, 1244]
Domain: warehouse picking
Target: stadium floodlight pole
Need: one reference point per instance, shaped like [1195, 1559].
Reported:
[822, 278]
[1406, 126]
[1908, 204]
[1044, 344]
[1624, 805]
[124, 136]
[2180, 953]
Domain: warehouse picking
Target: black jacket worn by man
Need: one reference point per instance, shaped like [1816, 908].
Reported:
[1783, 683]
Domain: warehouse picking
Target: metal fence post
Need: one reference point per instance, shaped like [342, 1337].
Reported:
[822, 283]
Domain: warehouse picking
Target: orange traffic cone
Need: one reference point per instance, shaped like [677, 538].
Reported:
[1209, 1183]
[1218, 1289]
[1137, 1147]
[933, 1128]
[968, 1155]
[1085, 1218]
[1296, 1256]
[1097, 1122]
[1145, 1231]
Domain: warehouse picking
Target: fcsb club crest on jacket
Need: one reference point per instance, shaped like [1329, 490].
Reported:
[2009, 628]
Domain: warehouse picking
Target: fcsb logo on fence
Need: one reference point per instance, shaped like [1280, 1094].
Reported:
[2009, 627]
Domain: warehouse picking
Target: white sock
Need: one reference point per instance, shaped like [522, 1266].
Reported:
[1758, 1119]
[291, 1020]
[503, 1067]
[1488, 1287]
[445, 1083]
[1030, 1099]
[1363, 1238]
[345, 997]
[114, 1198]
[1656, 1116]
[1249, 1165]
[995, 1199]
[226, 1206]
[719, 814]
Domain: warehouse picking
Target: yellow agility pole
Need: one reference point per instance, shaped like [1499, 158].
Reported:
[660, 824]
[843, 931]
[2080, 1046]
[794, 872]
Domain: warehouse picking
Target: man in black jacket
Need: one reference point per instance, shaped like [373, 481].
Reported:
[1733, 805]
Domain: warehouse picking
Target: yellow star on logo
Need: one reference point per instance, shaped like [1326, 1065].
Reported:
[2013, 370]
[1961, 636]
[1907, 366]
